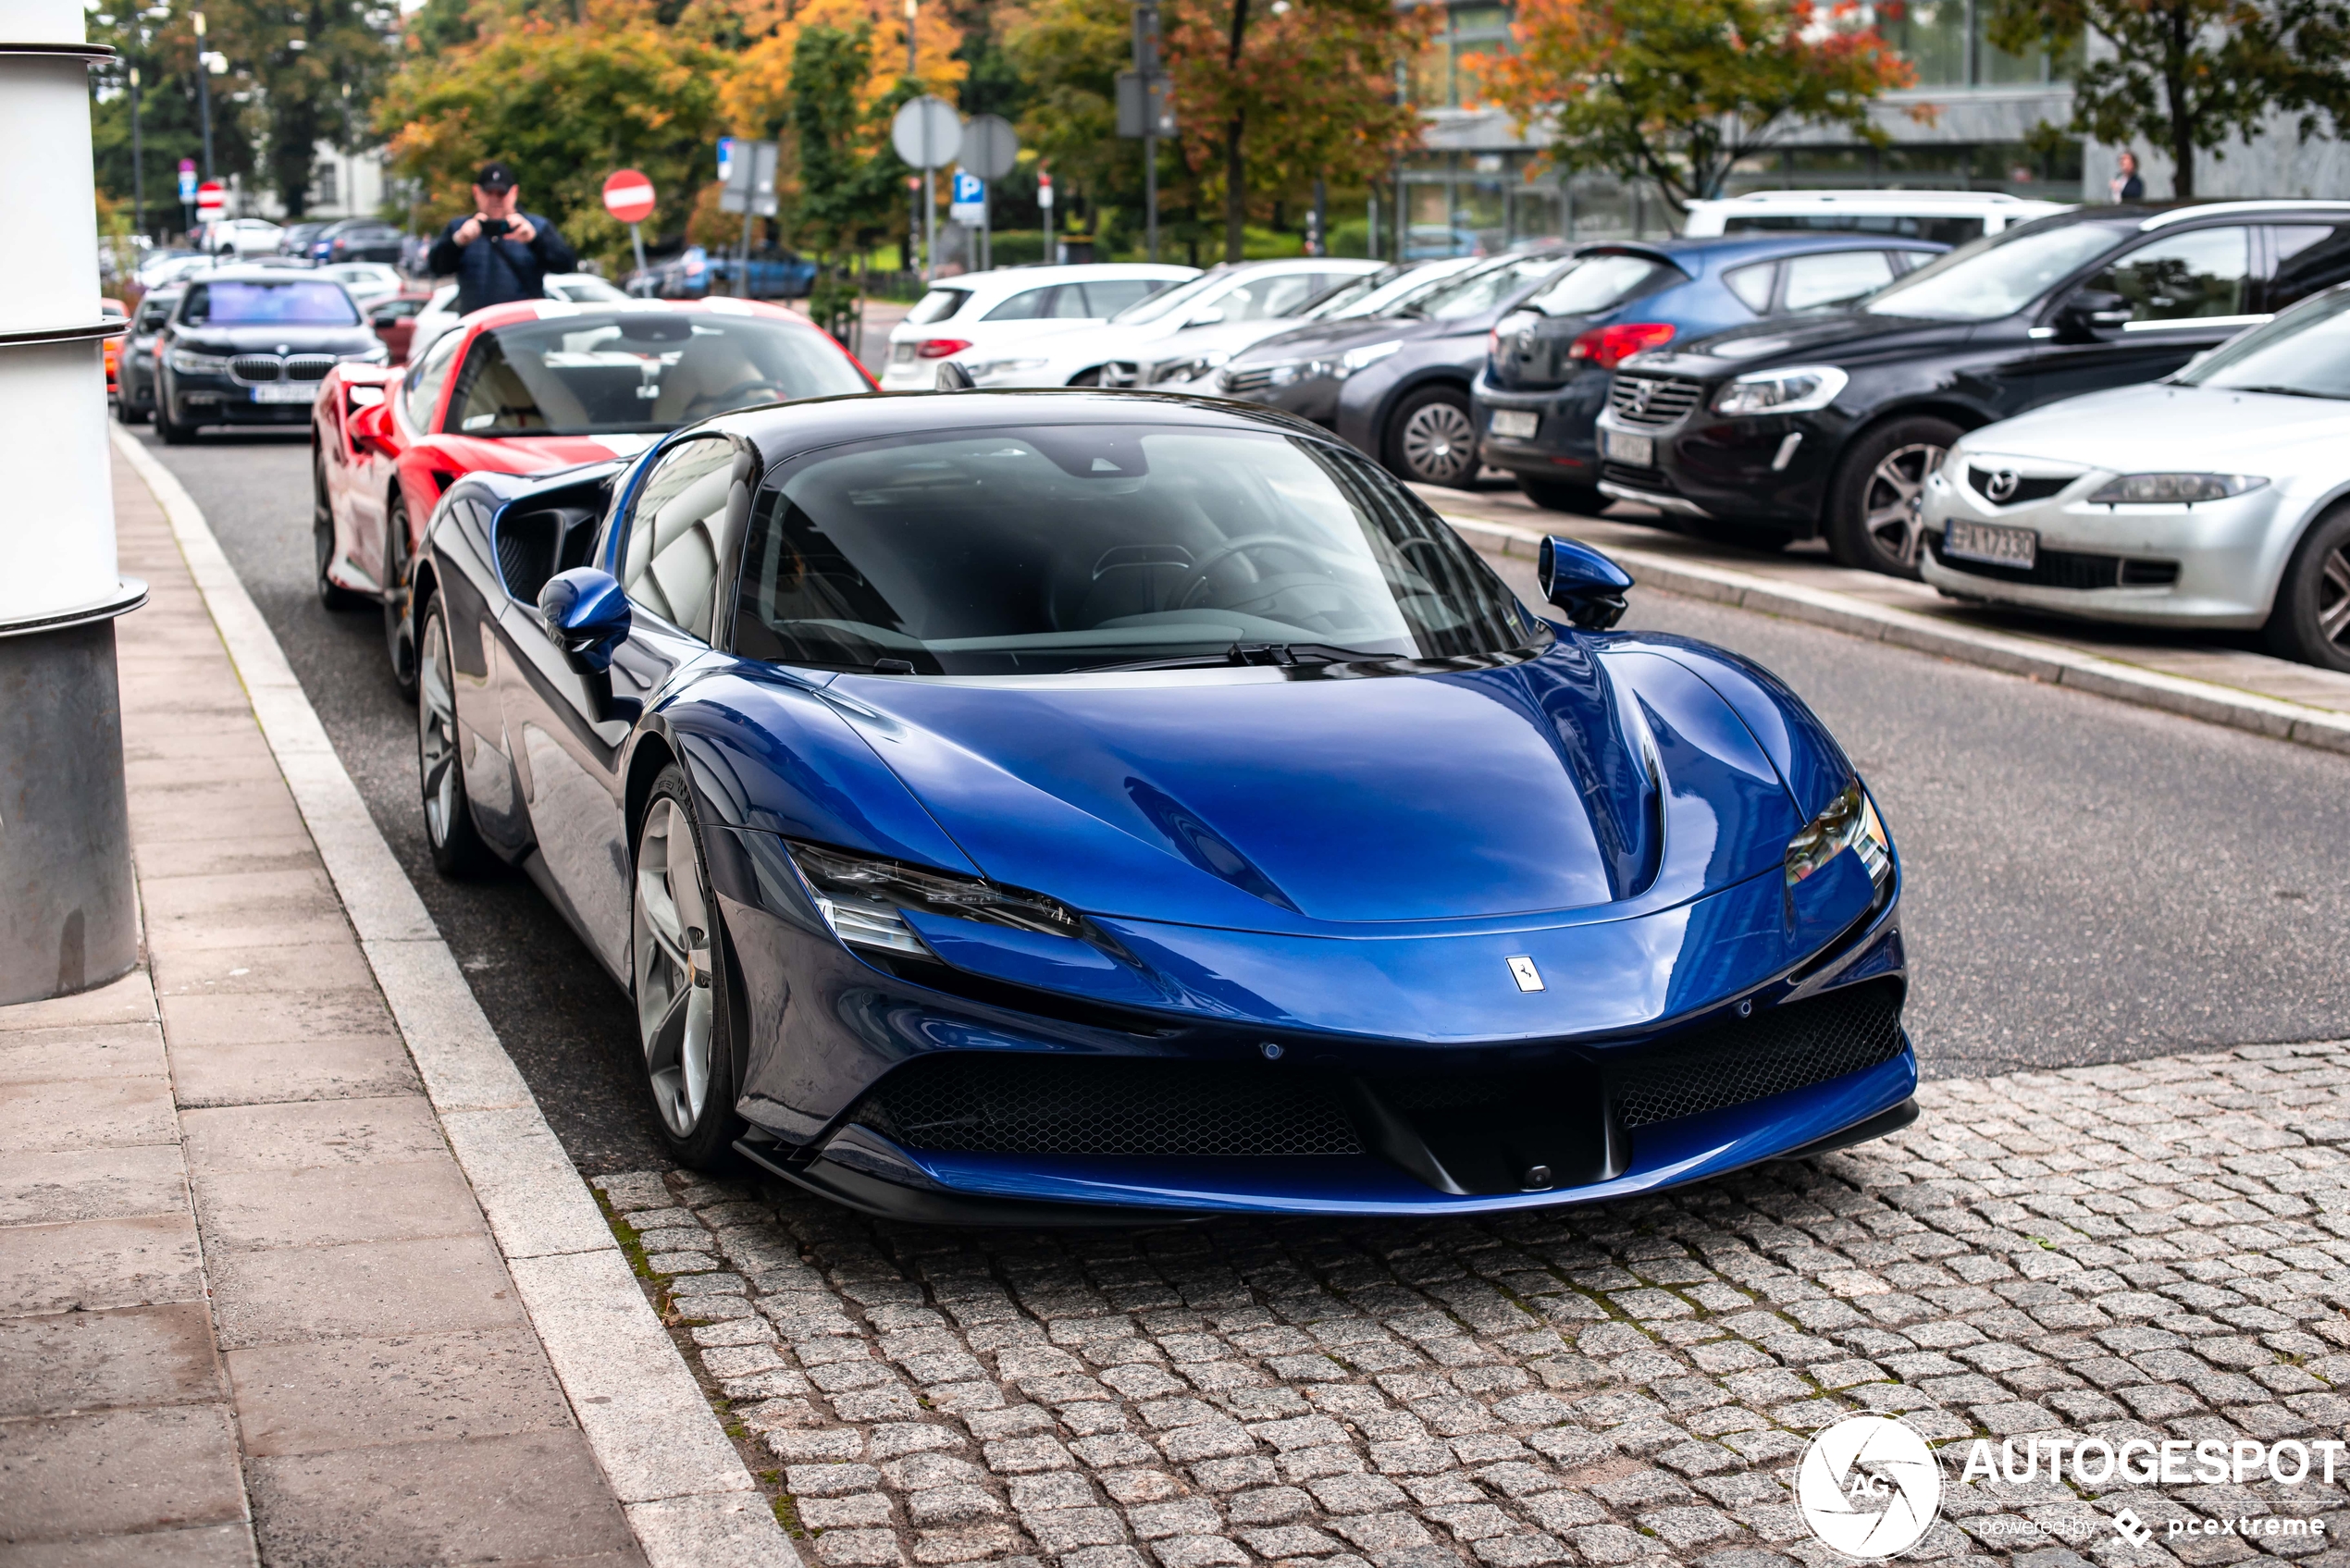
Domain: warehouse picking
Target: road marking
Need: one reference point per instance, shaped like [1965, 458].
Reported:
[689, 1497]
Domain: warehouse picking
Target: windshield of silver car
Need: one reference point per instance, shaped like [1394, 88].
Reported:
[2303, 353]
[1041, 549]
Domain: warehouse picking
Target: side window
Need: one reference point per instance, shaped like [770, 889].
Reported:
[1070, 303]
[670, 563]
[1027, 305]
[1109, 298]
[1753, 285]
[426, 381]
[1267, 297]
[2310, 256]
[2182, 276]
[1837, 275]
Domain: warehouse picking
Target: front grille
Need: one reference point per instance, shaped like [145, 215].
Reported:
[1251, 380]
[1023, 1104]
[1651, 400]
[309, 367]
[2027, 488]
[1777, 1049]
[2066, 569]
[257, 368]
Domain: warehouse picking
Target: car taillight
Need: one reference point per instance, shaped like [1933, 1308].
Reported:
[1609, 346]
[939, 348]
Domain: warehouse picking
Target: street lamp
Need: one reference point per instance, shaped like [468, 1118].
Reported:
[138, 164]
[204, 92]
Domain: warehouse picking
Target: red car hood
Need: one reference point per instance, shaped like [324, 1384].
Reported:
[530, 454]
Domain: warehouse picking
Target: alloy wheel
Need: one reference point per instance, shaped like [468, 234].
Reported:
[672, 959]
[1896, 490]
[437, 731]
[2334, 597]
[1439, 444]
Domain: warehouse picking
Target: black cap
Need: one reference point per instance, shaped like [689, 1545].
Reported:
[495, 178]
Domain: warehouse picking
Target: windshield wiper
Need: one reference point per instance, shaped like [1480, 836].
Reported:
[2285, 392]
[1267, 653]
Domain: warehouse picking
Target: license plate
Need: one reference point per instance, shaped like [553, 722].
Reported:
[1638, 450]
[901, 353]
[1518, 424]
[1996, 546]
[286, 392]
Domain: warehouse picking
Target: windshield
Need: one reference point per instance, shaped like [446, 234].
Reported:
[1174, 299]
[268, 305]
[1484, 290]
[1995, 277]
[637, 371]
[2305, 352]
[1044, 549]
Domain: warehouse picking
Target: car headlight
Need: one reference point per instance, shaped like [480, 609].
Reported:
[189, 363]
[982, 369]
[1849, 822]
[864, 899]
[1195, 369]
[1797, 389]
[2174, 488]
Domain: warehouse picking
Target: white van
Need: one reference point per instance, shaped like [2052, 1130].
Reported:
[1950, 218]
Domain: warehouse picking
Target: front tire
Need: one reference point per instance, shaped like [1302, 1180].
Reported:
[1432, 441]
[2311, 619]
[174, 433]
[1873, 522]
[456, 844]
[398, 648]
[1557, 495]
[680, 980]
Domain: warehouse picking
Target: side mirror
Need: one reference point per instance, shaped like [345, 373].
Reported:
[384, 318]
[587, 615]
[1582, 582]
[370, 425]
[2090, 311]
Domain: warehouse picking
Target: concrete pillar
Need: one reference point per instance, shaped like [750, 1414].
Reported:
[68, 916]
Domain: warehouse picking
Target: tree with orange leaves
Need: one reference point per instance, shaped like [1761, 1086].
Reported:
[1677, 91]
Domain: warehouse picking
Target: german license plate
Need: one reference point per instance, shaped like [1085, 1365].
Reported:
[286, 392]
[1638, 450]
[901, 353]
[1988, 543]
[1516, 423]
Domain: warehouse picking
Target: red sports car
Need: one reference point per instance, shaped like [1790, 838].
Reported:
[519, 388]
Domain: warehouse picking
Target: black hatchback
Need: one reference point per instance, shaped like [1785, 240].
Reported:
[1829, 422]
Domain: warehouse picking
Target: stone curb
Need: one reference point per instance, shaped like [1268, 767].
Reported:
[689, 1497]
[1992, 650]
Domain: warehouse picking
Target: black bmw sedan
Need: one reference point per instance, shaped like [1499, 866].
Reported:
[249, 345]
[1829, 422]
[1396, 386]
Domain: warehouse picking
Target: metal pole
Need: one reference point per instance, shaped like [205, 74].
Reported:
[203, 94]
[1044, 203]
[911, 70]
[637, 238]
[742, 285]
[930, 225]
[138, 165]
[1146, 65]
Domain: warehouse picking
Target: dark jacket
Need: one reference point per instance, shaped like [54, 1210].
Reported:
[2131, 189]
[492, 272]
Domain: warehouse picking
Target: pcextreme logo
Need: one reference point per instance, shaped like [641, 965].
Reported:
[1869, 1487]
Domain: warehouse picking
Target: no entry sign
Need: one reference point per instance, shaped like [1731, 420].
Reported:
[628, 196]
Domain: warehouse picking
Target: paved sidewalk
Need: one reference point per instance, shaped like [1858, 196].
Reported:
[249, 1298]
[2153, 1251]
[2184, 655]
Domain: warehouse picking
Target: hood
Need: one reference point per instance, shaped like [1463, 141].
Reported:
[1226, 337]
[277, 339]
[2151, 428]
[1294, 800]
[533, 454]
[1841, 336]
[1315, 336]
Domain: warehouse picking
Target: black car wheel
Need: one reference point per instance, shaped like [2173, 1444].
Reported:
[331, 595]
[1556, 495]
[174, 433]
[1873, 505]
[1431, 440]
[2311, 618]
[456, 844]
[397, 646]
[128, 411]
[678, 971]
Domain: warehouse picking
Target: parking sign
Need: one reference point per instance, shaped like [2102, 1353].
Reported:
[969, 202]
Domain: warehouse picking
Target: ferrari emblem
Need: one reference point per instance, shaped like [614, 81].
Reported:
[1529, 978]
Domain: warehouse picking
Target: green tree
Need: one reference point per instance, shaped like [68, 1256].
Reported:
[318, 66]
[169, 127]
[565, 102]
[2185, 75]
[843, 186]
[1067, 54]
[1677, 91]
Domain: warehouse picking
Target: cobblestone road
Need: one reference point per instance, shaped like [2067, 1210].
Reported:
[2159, 1250]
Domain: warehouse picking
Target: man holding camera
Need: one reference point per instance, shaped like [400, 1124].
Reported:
[500, 253]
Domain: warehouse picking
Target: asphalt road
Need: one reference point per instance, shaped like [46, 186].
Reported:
[2088, 881]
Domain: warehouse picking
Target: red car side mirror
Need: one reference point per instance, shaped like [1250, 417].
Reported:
[371, 426]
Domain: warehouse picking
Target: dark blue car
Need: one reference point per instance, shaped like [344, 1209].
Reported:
[1035, 806]
[1548, 363]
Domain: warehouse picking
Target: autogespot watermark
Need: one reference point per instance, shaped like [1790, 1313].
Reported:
[1870, 1487]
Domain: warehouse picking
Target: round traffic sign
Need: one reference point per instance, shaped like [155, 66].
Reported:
[927, 132]
[211, 194]
[989, 147]
[628, 196]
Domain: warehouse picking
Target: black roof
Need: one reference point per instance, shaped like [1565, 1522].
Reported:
[788, 429]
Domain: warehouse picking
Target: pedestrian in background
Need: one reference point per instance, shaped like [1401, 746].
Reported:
[2126, 186]
[500, 253]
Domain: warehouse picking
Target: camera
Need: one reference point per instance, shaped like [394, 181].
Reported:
[493, 228]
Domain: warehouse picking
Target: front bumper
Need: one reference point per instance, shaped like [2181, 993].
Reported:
[1770, 469]
[2223, 558]
[221, 400]
[835, 1045]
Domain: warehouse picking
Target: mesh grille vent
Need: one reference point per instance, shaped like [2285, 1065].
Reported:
[1778, 1049]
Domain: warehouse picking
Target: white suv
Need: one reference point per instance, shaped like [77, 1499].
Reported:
[989, 309]
[1950, 218]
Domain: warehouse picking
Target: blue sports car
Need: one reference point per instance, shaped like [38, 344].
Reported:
[1049, 807]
